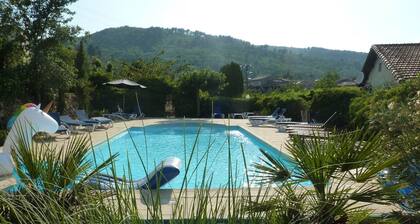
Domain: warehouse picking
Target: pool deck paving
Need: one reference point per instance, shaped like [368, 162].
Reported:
[268, 133]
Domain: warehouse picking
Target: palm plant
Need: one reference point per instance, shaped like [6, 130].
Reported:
[49, 173]
[341, 171]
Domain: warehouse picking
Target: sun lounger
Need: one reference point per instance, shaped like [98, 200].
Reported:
[313, 125]
[62, 128]
[100, 121]
[275, 114]
[166, 171]
[307, 133]
[73, 123]
[122, 116]
[270, 120]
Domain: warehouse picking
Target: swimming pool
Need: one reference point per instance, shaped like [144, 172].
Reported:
[205, 146]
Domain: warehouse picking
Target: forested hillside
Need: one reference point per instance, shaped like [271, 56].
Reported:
[202, 50]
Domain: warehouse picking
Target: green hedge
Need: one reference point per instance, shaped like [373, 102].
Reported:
[327, 101]
[367, 109]
[293, 102]
[152, 100]
[227, 105]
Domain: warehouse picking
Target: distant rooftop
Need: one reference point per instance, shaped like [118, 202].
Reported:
[403, 60]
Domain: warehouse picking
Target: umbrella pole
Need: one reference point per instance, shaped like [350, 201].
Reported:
[123, 106]
[140, 114]
[138, 105]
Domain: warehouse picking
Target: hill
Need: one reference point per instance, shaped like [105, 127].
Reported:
[203, 50]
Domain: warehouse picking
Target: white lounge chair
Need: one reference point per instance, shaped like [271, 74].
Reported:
[74, 123]
[166, 171]
[270, 120]
[100, 121]
[273, 115]
[312, 125]
[276, 116]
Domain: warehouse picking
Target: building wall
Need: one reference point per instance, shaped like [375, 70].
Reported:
[381, 77]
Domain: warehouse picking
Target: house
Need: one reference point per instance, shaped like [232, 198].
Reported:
[267, 83]
[389, 64]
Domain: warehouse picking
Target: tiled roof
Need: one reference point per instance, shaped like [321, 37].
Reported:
[403, 60]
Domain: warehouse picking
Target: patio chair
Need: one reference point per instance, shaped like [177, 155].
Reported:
[164, 172]
[121, 116]
[275, 114]
[218, 113]
[74, 123]
[62, 128]
[101, 121]
[312, 125]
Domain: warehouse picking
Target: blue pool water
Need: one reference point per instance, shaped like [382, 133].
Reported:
[209, 158]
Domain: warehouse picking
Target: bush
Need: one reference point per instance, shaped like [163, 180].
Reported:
[152, 100]
[327, 101]
[395, 112]
[372, 109]
[191, 85]
[294, 102]
[227, 105]
[3, 135]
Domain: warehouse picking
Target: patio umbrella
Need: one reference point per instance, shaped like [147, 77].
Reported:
[126, 84]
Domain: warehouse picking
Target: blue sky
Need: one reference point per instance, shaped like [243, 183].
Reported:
[335, 24]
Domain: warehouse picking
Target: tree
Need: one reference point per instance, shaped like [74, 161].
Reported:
[82, 88]
[40, 27]
[328, 80]
[395, 112]
[234, 80]
[191, 83]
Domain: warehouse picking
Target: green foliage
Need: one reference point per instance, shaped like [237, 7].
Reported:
[329, 100]
[395, 112]
[82, 88]
[189, 86]
[380, 109]
[3, 135]
[153, 99]
[227, 105]
[43, 27]
[342, 170]
[293, 101]
[327, 80]
[206, 51]
[234, 80]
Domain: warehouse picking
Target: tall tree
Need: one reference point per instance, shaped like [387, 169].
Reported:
[327, 80]
[234, 80]
[81, 62]
[41, 26]
[192, 82]
[82, 88]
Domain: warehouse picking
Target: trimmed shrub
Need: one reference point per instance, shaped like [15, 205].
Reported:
[327, 101]
[293, 102]
[227, 105]
[152, 100]
[388, 108]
